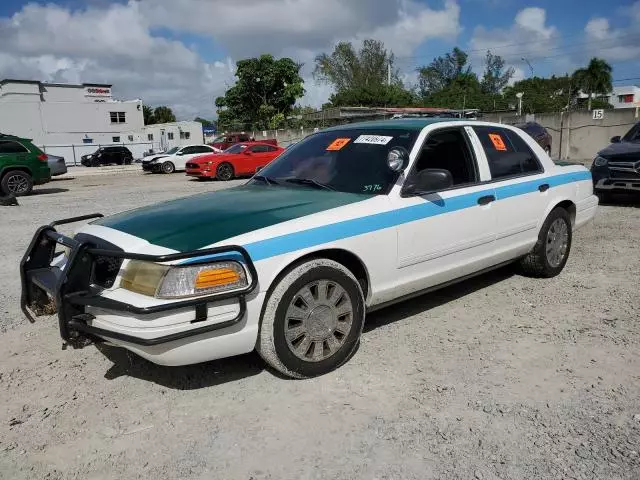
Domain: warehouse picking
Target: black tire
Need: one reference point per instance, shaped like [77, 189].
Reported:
[128, 160]
[95, 163]
[17, 183]
[225, 172]
[278, 351]
[539, 262]
[167, 167]
[603, 197]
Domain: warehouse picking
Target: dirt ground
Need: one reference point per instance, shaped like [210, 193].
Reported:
[498, 377]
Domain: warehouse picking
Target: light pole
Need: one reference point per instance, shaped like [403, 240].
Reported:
[519, 96]
[530, 67]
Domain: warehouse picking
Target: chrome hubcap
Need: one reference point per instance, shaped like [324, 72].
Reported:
[557, 242]
[17, 184]
[318, 320]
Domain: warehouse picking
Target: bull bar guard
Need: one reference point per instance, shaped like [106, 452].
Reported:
[70, 289]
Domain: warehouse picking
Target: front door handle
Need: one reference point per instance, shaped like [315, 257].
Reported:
[486, 199]
[544, 187]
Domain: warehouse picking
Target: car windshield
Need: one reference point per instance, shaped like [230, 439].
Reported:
[633, 135]
[172, 151]
[347, 160]
[219, 139]
[237, 148]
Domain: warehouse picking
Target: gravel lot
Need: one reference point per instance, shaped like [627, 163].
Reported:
[498, 377]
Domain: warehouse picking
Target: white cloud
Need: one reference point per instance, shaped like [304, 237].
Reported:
[614, 45]
[529, 36]
[117, 43]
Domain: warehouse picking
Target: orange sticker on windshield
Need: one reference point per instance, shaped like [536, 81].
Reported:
[497, 141]
[337, 144]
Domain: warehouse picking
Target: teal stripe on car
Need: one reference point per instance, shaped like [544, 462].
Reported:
[291, 242]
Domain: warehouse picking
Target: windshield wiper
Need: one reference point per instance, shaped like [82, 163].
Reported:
[267, 180]
[310, 182]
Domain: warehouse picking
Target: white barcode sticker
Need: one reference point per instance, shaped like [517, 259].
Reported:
[373, 139]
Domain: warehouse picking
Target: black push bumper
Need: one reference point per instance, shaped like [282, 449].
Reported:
[47, 289]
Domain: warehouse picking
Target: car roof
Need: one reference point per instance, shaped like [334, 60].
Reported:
[13, 137]
[250, 144]
[415, 124]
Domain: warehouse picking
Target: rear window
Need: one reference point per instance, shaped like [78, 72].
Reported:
[11, 146]
[507, 153]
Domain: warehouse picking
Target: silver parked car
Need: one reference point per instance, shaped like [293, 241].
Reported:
[57, 165]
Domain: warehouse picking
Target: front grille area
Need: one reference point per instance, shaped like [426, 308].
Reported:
[192, 165]
[105, 269]
[632, 175]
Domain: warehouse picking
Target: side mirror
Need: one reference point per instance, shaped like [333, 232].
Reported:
[430, 180]
[615, 139]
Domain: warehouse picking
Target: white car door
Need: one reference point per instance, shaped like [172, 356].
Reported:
[522, 189]
[446, 234]
[188, 153]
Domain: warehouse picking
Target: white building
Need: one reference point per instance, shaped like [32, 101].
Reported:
[74, 119]
[625, 97]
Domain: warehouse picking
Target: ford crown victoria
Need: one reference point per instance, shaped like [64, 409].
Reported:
[348, 220]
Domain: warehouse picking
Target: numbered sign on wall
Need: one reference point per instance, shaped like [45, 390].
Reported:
[598, 114]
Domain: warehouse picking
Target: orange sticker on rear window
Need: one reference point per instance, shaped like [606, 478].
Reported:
[497, 141]
[337, 144]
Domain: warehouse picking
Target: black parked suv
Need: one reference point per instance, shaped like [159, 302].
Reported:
[617, 167]
[107, 156]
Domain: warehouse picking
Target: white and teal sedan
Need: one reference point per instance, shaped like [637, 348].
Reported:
[348, 220]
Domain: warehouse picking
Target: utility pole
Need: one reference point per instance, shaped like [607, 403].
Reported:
[389, 73]
[530, 67]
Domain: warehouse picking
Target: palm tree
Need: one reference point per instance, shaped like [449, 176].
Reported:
[596, 78]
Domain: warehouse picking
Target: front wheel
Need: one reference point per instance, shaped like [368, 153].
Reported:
[167, 167]
[551, 252]
[16, 182]
[224, 172]
[312, 320]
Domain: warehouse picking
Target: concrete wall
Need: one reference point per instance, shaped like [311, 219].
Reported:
[582, 136]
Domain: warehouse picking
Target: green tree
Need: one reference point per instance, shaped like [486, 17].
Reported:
[543, 94]
[264, 94]
[442, 72]
[147, 115]
[595, 79]
[495, 76]
[361, 78]
[163, 114]
[205, 122]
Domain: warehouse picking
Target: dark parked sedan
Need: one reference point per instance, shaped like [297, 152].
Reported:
[538, 133]
[108, 156]
[617, 167]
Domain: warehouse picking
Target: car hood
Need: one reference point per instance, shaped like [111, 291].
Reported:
[623, 151]
[148, 158]
[210, 157]
[194, 222]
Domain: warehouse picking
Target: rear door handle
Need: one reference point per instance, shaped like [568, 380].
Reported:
[486, 199]
[544, 187]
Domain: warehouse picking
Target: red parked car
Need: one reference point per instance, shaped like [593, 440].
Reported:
[225, 141]
[241, 159]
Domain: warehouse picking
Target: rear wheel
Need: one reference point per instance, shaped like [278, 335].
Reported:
[16, 182]
[167, 167]
[312, 320]
[224, 172]
[128, 160]
[551, 252]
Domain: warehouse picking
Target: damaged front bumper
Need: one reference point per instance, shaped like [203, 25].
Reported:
[69, 289]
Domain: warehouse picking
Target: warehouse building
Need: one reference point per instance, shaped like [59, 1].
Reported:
[74, 119]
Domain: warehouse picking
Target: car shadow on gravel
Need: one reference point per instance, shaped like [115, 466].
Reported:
[189, 377]
[47, 191]
[423, 303]
[620, 200]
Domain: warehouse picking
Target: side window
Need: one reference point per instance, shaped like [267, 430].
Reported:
[202, 149]
[448, 150]
[259, 149]
[8, 146]
[188, 150]
[507, 153]
[170, 135]
[271, 149]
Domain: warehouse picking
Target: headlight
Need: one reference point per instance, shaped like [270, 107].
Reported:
[210, 163]
[173, 281]
[600, 162]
